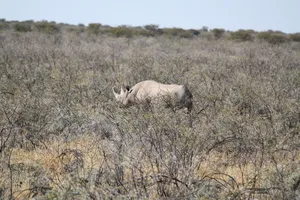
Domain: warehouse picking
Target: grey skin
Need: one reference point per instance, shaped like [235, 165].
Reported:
[179, 96]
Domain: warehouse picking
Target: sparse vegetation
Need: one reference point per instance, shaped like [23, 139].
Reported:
[22, 27]
[3, 24]
[47, 27]
[272, 37]
[178, 32]
[218, 32]
[122, 31]
[63, 136]
[152, 27]
[242, 35]
[94, 28]
[295, 37]
[150, 30]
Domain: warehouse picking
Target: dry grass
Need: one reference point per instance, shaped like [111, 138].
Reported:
[64, 136]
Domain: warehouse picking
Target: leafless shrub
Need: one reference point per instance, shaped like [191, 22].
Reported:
[59, 121]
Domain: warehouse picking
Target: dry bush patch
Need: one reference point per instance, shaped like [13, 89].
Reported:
[62, 134]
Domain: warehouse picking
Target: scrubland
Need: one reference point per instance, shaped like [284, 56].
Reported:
[63, 135]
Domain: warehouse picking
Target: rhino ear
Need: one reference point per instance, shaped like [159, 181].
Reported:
[116, 94]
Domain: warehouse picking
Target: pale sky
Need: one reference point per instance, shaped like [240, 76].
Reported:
[260, 15]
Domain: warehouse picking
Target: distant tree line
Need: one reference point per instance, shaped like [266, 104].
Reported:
[150, 30]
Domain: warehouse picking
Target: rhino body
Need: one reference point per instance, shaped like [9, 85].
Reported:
[175, 95]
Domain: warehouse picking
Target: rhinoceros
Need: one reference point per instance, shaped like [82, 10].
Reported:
[177, 96]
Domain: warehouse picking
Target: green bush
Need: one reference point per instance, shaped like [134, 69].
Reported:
[178, 32]
[122, 31]
[145, 33]
[218, 32]
[151, 27]
[207, 35]
[22, 27]
[76, 29]
[241, 35]
[47, 27]
[187, 34]
[272, 37]
[172, 31]
[94, 28]
[194, 32]
[3, 25]
[29, 21]
[295, 37]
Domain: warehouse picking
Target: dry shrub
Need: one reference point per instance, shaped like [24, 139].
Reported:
[60, 123]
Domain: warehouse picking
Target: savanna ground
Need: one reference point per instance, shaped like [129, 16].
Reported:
[63, 136]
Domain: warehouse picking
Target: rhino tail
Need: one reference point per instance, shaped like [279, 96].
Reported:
[187, 99]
